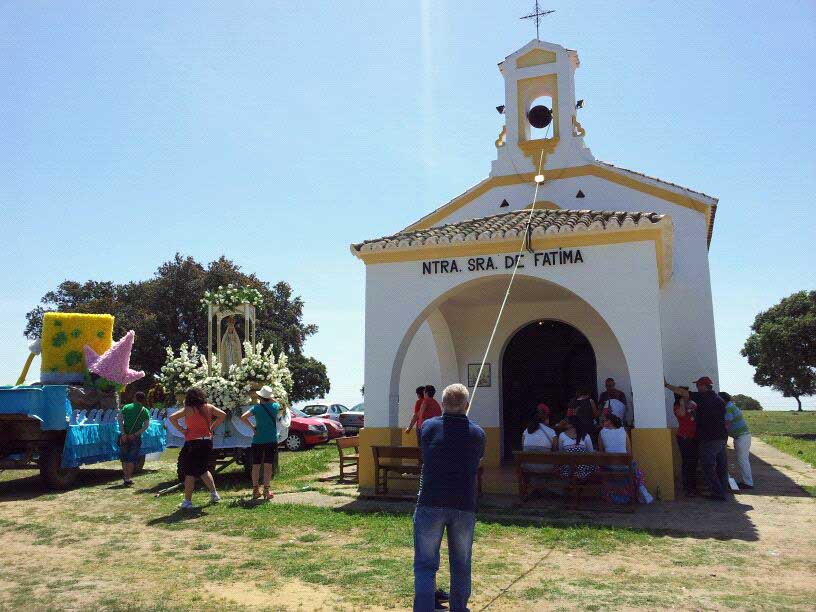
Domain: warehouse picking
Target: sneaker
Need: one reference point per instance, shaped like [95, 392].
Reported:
[127, 483]
[441, 595]
[744, 486]
[214, 498]
[186, 505]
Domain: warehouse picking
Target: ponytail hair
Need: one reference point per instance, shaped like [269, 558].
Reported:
[535, 423]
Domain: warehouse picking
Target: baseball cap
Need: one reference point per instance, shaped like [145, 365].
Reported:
[704, 380]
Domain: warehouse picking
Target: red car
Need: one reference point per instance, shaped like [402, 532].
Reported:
[305, 432]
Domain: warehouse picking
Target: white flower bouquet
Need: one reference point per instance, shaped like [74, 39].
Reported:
[222, 392]
[230, 297]
[259, 367]
[180, 373]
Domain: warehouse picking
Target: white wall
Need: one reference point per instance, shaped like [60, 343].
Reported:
[399, 299]
[686, 308]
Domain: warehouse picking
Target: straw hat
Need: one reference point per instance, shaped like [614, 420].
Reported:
[265, 392]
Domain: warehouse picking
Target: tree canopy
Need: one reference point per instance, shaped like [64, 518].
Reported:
[166, 310]
[782, 346]
[746, 402]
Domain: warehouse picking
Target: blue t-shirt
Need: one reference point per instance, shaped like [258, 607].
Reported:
[266, 426]
[452, 446]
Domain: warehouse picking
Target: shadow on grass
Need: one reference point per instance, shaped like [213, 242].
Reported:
[224, 481]
[178, 516]
[731, 514]
[32, 486]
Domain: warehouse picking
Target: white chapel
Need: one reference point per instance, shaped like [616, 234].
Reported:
[613, 281]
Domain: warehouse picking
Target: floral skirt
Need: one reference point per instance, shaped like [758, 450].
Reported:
[578, 472]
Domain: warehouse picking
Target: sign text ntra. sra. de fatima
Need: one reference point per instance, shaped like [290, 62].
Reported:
[554, 257]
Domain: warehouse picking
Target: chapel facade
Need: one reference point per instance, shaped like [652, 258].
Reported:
[613, 282]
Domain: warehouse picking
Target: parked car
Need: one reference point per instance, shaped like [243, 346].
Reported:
[305, 432]
[333, 428]
[353, 420]
[326, 411]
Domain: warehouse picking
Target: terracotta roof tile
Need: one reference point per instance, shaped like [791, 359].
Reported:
[511, 225]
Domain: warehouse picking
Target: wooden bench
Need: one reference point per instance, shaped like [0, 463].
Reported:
[390, 462]
[342, 444]
[558, 459]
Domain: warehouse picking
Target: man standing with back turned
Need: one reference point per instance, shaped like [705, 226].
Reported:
[452, 446]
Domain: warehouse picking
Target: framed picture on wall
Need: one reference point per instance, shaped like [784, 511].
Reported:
[473, 372]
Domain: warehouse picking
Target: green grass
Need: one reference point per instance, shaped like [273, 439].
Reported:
[363, 557]
[796, 447]
[779, 422]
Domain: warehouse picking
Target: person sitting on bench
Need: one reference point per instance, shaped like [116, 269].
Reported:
[570, 442]
[614, 439]
[539, 436]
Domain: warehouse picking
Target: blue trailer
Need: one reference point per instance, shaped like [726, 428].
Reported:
[40, 429]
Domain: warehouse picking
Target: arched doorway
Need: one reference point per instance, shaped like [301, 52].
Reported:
[545, 361]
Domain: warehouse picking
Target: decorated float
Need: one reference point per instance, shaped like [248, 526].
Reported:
[229, 374]
[69, 418]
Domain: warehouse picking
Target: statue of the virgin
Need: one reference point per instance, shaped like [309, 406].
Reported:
[230, 347]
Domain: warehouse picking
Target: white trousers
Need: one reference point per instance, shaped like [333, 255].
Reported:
[742, 448]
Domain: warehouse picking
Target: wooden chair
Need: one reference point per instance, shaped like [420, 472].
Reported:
[354, 459]
[390, 462]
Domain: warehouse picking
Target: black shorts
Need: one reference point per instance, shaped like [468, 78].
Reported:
[195, 457]
[264, 453]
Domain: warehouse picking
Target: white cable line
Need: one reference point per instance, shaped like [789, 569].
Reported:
[512, 278]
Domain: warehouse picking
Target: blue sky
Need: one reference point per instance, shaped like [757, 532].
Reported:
[277, 133]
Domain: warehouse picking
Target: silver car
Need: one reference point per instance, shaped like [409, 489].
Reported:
[353, 420]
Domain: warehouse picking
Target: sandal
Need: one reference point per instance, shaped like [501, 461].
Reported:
[268, 495]
[256, 494]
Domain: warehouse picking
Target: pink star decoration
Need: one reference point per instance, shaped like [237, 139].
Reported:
[114, 364]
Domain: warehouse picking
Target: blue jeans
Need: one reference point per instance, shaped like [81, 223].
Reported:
[429, 523]
[715, 466]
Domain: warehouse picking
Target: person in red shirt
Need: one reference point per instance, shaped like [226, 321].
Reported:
[420, 392]
[426, 407]
[684, 410]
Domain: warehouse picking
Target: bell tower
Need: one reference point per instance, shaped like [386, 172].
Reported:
[540, 111]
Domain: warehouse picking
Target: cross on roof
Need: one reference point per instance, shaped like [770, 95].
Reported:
[537, 15]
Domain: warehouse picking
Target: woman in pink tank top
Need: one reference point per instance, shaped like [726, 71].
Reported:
[200, 420]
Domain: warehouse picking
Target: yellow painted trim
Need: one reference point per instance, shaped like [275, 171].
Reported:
[544, 205]
[492, 456]
[654, 452]
[579, 130]
[533, 148]
[573, 239]
[500, 139]
[535, 57]
[562, 173]
[373, 436]
[528, 90]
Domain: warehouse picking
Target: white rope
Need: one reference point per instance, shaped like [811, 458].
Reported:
[510, 284]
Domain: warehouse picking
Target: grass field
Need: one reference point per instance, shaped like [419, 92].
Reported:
[791, 432]
[779, 422]
[101, 546]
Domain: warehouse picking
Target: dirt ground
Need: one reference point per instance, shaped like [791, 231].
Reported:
[758, 552]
